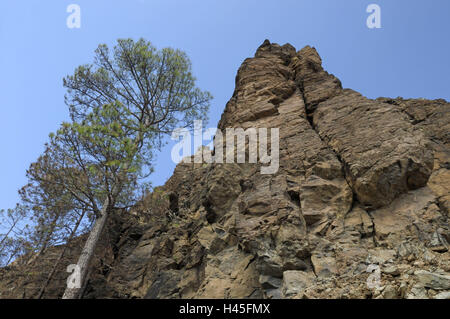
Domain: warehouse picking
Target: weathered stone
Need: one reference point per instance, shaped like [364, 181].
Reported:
[295, 282]
[390, 292]
[438, 281]
[382, 256]
[391, 270]
[358, 219]
[417, 292]
[268, 282]
[316, 84]
[443, 295]
[407, 215]
[384, 156]
[324, 266]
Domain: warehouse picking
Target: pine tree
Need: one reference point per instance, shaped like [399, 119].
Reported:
[121, 106]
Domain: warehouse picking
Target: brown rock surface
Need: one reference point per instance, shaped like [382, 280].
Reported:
[383, 154]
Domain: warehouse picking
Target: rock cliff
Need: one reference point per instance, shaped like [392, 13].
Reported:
[359, 207]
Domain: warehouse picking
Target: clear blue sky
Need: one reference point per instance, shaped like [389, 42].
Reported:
[409, 56]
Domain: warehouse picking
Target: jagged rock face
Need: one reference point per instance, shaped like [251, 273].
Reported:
[361, 184]
[383, 154]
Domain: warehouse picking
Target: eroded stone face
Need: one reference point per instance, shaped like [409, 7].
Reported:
[353, 191]
[384, 155]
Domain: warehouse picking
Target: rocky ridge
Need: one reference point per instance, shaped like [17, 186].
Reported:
[359, 207]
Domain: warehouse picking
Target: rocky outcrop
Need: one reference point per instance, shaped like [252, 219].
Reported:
[383, 154]
[359, 207]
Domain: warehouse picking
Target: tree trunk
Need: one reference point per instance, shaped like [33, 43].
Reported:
[49, 236]
[11, 257]
[7, 234]
[46, 241]
[84, 285]
[61, 256]
[88, 251]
